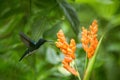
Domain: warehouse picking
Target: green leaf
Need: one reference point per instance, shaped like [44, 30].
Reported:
[52, 57]
[113, 23]
[104, 9]
[70, 14]
[48, 34]
[85, 1]
[9, 27]
[115, 20]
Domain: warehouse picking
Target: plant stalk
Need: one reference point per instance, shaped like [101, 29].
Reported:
[77, 71]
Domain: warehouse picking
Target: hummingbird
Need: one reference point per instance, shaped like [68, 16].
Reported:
[31, 45]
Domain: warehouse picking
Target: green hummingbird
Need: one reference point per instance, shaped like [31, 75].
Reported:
[31, 45]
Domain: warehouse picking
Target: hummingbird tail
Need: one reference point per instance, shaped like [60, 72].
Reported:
[24, 55]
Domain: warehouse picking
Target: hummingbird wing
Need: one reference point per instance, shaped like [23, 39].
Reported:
[25, 54]
[27, 41]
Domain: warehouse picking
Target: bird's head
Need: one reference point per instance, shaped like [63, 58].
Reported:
[42, 41]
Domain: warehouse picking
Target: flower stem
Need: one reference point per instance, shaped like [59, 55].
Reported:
[79, 77]
[86, 62]
[77, 71]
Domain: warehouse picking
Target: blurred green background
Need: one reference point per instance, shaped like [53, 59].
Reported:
[43, 19]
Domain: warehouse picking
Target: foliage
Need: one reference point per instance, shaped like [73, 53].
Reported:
[43, 19]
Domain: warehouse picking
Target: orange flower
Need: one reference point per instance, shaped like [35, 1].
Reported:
[68, 51]
[89, 39]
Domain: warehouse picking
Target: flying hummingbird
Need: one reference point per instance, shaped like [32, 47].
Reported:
[31, 45]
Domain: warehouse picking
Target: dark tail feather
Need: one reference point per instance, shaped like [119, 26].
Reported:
[24, 55]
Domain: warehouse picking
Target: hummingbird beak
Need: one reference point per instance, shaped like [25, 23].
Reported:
[50, 41]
